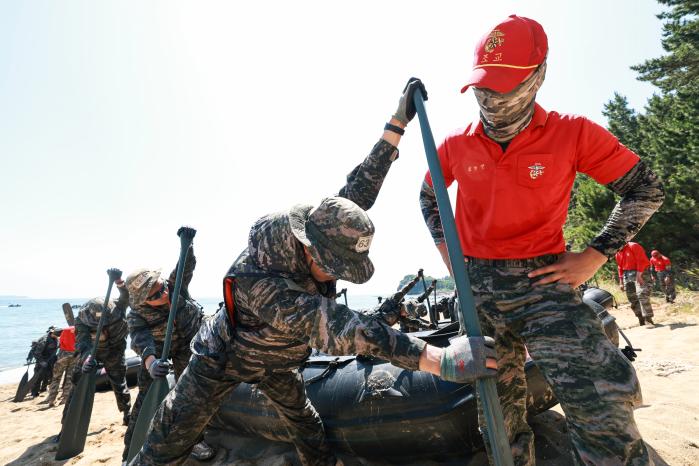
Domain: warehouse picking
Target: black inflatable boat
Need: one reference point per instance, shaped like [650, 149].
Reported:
[373, 409]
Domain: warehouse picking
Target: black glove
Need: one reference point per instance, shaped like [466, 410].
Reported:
[464, 360]
[89, 365]
[159, 368]
[188, 232]
[406, 107]
[114, 274]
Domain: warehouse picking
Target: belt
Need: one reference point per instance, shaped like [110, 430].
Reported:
[538, 261]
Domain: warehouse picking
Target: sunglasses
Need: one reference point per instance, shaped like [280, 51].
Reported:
[158, 294]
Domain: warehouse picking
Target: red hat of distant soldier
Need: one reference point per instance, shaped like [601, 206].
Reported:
[507, 54]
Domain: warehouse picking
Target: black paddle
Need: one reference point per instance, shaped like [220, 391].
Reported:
[24, 386]
[77, 420]
[487, 392]
[160, 388]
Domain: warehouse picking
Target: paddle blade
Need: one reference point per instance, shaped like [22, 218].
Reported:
[22, 388]
[68, 313]
[77, 420]
[36, 378]
[156, 394]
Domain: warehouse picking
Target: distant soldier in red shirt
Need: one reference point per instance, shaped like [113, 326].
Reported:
[662, 267]
[515, 167]
[632, 264]
[64, 365]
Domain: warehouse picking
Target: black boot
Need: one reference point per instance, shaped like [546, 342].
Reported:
[649, 322]
[641, 320]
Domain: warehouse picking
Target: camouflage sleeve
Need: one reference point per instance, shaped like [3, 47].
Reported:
[141, 337]
[83, 339]
[364, 182]
[641, 195]
[335, 329]
[430, 212]
[189, 264]
[123, 301]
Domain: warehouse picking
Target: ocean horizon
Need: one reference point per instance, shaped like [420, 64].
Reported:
[28, 322]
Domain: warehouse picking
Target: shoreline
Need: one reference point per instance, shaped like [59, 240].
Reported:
[667, 367]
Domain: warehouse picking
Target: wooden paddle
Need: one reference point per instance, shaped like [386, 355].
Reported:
[487, 393]
[23, 387]
[160, 388]
[77, 418]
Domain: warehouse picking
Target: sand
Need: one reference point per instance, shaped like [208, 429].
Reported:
[668, 367]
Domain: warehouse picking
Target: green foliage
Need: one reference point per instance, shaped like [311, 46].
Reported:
[444, 284]
[680, 67]
[666, 136]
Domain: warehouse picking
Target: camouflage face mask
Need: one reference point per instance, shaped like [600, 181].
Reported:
[505, 115]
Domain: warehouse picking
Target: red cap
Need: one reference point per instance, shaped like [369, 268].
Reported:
[507, 54]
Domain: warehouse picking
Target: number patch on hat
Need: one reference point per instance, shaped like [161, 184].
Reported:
[363, 243]
[140, 280]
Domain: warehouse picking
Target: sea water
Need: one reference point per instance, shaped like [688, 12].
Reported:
[19, 326]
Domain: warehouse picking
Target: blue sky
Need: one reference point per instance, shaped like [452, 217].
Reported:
[121, 121]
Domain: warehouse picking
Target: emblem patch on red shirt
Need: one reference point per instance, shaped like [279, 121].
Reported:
[536, 170]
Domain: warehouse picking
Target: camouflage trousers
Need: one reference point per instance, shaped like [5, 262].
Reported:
[595, 384]
[667, 284]
[114, 363]
[65, 364]
[179, 362]
[186, 411]
[638, 298]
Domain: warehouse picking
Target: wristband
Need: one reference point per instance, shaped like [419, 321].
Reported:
[394, 129]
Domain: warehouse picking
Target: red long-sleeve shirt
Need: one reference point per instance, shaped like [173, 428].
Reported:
[67, 339]
[631, 257]
[660, 263]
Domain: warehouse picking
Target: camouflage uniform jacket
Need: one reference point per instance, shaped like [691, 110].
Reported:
[283, 312]
[44, 348]
[148, 324]
[114, 330]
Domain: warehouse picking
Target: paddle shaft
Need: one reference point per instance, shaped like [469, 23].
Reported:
[159, 388]
[185, 243]
[77, 419]
[487, 392]
[103, 318]
[429, 307]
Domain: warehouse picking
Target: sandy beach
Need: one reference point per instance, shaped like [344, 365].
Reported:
[668, 367]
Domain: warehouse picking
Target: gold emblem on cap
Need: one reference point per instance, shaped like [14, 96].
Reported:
[495, 39]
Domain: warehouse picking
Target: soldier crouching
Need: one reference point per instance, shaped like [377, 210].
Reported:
[280, 303]
[110, 347]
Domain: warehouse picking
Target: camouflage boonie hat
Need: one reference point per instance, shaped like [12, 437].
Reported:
[338, 233]
[93, 310]
[139, 284]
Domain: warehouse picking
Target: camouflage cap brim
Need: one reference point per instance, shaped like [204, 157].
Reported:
[358, 269]
[298, 215]
[139, 283]
[343, 264]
